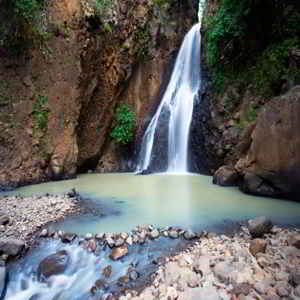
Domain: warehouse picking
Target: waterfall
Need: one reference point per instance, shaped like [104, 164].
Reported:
[176, 108]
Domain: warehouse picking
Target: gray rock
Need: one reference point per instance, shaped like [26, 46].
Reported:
[53, 265]
[133, 275]
[154, 234]
[11, 247]
[297, 291]
[294, 241]
[44, 233]
[4, 220]
[68, 237]
[295, 277]
[3, 281]
[259, 226]
[189, 235]
[107, 271]
[110, 241]
[226, 176]
[119, 242]
[173, 234]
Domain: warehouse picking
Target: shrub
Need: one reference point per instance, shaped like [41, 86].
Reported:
[124, 131]
[41, 112]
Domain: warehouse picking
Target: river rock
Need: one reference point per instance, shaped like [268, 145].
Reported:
[11, 247]
[107, 271]
[119, 242]
[295, 277]
[44, 233]
[226, 176]
[119, 252]
[4, 220]
[68, 237]
[133, 275]
[294, 241]
[259, 226]
[189, 235]
[297, 291]
[154, 234]
[173, 234]
[257, 246]
[3, 281]
[53, 265]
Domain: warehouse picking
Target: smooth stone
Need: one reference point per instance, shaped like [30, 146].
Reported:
[295, 277]
[44, 233]
[154, 234]
[294, 241]
[133, 275]
[189, 235]
[119, 242]
[53, 265]
[297, 291]
[173, 234]
[11, 247]
[259, 226]
[129, 240]
[68, 237]
[119, 252]
[107, 271]
[4, 220]
[110, 241]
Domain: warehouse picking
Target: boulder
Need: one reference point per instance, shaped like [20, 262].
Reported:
[271, 166]
[4, 220]
[53, 265]
[257, 246]
[259, 226]
[294, 241]
[119, 252]
[11, 247]
[68, 237]
[226, 176]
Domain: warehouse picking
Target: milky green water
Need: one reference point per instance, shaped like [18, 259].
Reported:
[123, 201]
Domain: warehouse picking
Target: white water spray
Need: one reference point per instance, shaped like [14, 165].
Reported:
[178, 102]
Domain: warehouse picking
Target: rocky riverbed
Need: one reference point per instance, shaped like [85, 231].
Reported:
[261, 261]
[20, 216]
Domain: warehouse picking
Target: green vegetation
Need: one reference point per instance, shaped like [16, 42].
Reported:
[143, 38]
[21, 25]
[249, 41]
[163, 4]
[102, 5]
[41, 112]
[124, 131]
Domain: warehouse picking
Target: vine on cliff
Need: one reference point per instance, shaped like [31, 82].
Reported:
[124, 130]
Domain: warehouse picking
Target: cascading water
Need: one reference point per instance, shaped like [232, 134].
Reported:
[177, 107]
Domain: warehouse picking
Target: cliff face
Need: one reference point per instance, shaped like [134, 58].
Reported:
[249, 99]
[58, 100]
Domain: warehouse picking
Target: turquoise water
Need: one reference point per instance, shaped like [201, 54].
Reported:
[122, 201]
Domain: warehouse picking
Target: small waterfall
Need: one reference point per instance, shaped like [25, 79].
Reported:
[176, 108]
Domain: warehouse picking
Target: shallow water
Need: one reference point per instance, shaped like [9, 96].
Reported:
[122, 201]
[83, 270]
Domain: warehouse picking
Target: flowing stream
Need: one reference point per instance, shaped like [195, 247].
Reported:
[176, 109]
[118, 203]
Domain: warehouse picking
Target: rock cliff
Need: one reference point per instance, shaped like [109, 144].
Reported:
[58, 99]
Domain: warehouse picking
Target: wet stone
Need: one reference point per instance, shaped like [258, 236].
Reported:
[68, 237]
[189, 235]
[173, 234]
[107, 271]
[259, 226]
[53, 265]
[133, 275]
[4, 220]
[119, 252]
